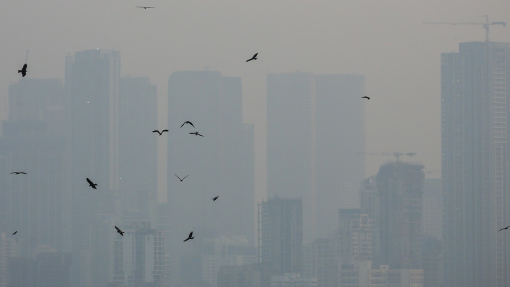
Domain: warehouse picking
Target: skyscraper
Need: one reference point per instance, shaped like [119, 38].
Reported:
[475, 98]
[400, 189]
[92, 95]
[218, 164]
[33, 142]
[281, 234]
[316, 144]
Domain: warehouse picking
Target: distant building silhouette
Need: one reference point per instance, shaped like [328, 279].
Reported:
[355, 236]
[400, 190]
[33, 142]
[432, 208]
[475, 138]
[92, 94]
[48, 268]
[281, 234]
[318, 257]
[316, 144]
[8, 249]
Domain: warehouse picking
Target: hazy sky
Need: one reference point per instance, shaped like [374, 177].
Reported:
[383, 40]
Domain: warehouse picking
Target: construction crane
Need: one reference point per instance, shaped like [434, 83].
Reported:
[485, 25]
[397, 154]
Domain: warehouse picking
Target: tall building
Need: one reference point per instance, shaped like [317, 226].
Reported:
[475, 98]
[33, 142]
[138, 147]
[8, 249]
[92, 151]
[432, 208]
[318, 257]
[356, 236]
[139, 256]
[281, 234]
[292, 280]
[218, 164]
[315, 143]
[400, 189]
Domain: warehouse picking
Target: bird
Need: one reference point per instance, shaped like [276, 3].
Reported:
[187, 122]
[214, 199]
[190, 236]
[180, 178]
[196, 133]
[23, 71]
[119, 231]
[18, 172]
[365, 97]
[159, 132]
[253, 58]
[144, 7]
[15, 232]
[504, 228]
[93, 185]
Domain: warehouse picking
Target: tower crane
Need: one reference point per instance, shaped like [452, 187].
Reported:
[397, 154]
[485, 25]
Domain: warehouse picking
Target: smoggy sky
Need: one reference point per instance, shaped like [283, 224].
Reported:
[384, 40]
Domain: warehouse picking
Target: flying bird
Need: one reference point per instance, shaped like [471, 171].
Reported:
[93, 185]
[504, 228]
[214, 199]
[119, 231]
[18, 172]
[159, 132]
[196, 133]
[23, 71]
[180, 178]
[253, 58]
[190, 236]
[187, 122]
[15, 232]
[144, 7]
[365, 97]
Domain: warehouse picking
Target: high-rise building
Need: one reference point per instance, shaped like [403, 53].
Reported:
[8, 249]
[475, 98]
[322, 118]
[33, 142]
[356, 236]
[318, 257]
[292, 280]
[432, 225]
[139, 256]
[281, 234]
[400, 189]
[218, 164]
[138, 147]
[92, 151]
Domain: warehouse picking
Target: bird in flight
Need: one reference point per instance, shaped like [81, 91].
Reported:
[15, 232]
[253, 58]
[144, 7]
[18, 172]
[365, 97]
[187, 122]
[215, 198]
[159, 132]
[504, 228]
[190, 236]
[93, 185]
[119, 231]
[196, 133]
[180, 178]
[23, 71]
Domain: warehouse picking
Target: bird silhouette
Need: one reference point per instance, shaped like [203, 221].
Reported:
[187, 122]
[215, 198]
[93, 185]
[190, 236]
[144, 7]
[253, 58]
[365, 97]
[159, 132]
[119, 231]
[180, 178]
[18, 172]
[15, 232]
[23, 71]
[504, 228]
[196, 133]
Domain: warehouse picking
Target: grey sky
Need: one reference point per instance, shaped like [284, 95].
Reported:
[383, 40]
